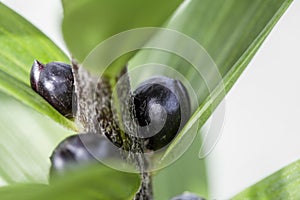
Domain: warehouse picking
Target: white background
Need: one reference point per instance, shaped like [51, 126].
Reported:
[261, 133]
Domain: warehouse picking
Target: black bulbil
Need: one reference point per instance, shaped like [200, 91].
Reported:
[81, 149]
[161, 108]
[54, 82]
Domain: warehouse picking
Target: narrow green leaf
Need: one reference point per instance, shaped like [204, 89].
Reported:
[93, 182]
[283, 184]
[27, 141]
[87, 24]
[20, 44]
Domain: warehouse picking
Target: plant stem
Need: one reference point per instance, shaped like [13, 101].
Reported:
[100, 111]
[135, 145]
[145, 192]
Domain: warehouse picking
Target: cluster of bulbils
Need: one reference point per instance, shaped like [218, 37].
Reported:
[161, 103]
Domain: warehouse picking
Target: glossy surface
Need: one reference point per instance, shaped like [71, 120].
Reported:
[162, 107]
[54, 82]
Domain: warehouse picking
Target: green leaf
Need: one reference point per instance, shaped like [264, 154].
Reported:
[283, 184]
[20, 44]
[93, 182]
[88, 23]
[27, 141]
[21, 191]
[192, 176]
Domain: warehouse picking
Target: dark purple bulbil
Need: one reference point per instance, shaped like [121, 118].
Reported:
[54, 82]
[162, 107]
[82, 149]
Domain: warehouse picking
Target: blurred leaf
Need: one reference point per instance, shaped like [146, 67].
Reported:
[27, 141]
[88, 23]
[20, 44]
[230, 31]
[283, 184]
[93, 182]
[188, 173]
[22, 191]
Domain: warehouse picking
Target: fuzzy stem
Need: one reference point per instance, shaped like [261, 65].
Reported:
[126, 107]
[96, 107]
[145, 192]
